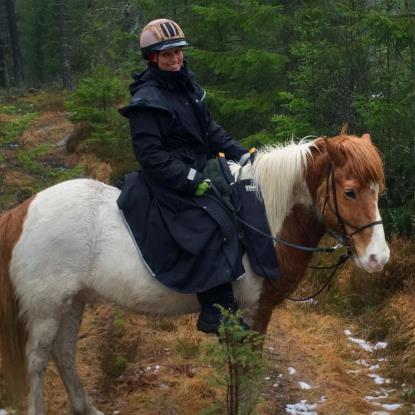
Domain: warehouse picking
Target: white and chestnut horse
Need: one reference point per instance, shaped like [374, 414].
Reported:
[68, 245]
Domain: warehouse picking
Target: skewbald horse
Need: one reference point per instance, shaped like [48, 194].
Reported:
[68, 245]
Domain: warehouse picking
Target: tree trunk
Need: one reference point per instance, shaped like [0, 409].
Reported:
[14, 42]
[2, 66]
[64, 44]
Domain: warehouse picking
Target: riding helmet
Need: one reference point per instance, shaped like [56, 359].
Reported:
[159, 35]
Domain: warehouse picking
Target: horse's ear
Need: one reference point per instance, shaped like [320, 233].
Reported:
[345, 129]
[336, 154]
[367, 138]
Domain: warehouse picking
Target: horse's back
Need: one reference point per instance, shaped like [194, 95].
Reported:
[56, 248]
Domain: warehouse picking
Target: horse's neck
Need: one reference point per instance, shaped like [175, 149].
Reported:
[281, 181]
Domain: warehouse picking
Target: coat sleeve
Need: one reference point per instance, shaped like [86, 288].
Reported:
[149, 129]
[220, 141]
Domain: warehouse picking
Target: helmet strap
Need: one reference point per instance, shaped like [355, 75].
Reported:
[153, 57]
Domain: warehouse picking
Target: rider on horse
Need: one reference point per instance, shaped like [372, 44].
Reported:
[173, 136]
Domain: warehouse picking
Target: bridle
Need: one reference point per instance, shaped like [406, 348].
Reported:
[340, 220]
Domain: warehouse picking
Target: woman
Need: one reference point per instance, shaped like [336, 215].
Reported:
[173, 137]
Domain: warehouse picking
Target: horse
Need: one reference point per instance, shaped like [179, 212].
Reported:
[68, 245]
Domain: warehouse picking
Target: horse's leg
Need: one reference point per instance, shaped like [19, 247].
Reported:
[64, 351]
[41, 334]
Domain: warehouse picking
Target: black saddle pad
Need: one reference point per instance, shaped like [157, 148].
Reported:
[260, 249]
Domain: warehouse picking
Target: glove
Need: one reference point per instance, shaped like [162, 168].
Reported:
[249, 155]
[201, 188]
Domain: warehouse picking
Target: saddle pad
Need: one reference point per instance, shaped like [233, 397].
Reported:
[260, 249]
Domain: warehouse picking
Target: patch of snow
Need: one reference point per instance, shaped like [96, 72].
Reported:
[379, 380]
[380, 413]
[362, 362]
[3, 412]
[362, 343]
[301, 408]
[386, 391]
[304, 386]
[380, 345]
[374, 398]
[391, 406]
[374, 367]
[353, 371]
[292, 371]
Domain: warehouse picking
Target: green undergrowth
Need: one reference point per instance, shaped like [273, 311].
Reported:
[95, 102]
[32, 161]
[239, 368]
[11, 130]
[115, 350]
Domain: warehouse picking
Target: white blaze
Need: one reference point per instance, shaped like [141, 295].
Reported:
[377, 252]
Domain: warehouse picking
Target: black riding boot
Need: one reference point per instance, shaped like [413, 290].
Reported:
[210, 316]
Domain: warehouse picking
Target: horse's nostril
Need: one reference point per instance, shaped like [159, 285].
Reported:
[373, 259]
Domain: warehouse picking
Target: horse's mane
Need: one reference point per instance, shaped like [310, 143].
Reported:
[363, 161]
[279, 172]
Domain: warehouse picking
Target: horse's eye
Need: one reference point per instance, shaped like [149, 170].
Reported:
[350, 194]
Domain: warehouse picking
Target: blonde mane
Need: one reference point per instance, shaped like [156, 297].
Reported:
[279, 173]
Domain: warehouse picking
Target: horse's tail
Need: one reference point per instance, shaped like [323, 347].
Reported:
[13, 336]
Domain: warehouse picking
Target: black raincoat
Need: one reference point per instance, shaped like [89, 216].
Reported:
[189, 243]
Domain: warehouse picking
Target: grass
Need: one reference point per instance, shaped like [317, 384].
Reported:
[10, 131]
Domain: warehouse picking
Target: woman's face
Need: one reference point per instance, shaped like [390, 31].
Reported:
[170, 59]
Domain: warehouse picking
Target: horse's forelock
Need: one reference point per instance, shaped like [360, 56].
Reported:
[363, 160]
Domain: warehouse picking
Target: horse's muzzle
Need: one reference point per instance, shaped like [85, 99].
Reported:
[373, 262]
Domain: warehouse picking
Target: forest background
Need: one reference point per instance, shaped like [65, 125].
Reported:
[272, 70]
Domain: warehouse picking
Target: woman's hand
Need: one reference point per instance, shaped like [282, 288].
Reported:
[202, 188]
